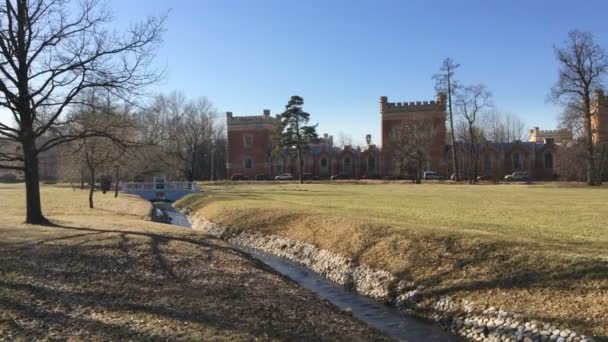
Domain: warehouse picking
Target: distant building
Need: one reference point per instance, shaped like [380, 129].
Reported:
[558, 136]
[250, 146]
[599, 118]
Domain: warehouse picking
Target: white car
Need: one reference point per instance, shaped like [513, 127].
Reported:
[285, 176]
[517, 176]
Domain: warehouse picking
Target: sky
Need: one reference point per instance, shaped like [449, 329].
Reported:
[341, 56]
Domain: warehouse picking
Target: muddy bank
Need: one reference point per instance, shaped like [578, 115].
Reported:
[460, 317]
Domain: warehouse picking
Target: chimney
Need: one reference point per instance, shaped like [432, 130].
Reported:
[229, 114]
[266, 112]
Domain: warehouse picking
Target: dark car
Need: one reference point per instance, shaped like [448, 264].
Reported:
[371, 176]
[309, 176]
[339, 176]
[262, 177]
[239, 177]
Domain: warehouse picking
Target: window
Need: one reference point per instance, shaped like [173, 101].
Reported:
[324, 162]
[371, 164]
[487, 163]
[548, 160]
[517, 162]
[347, 165]
[248, 140]
[248, 163]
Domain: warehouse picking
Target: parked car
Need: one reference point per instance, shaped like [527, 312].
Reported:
[461, 176]
[432, 175]
[339, 176]
[371, 176]
[399, 177]
[238, 177]
[309, 176]
[484, 178]
[517, 176]
[263, 177]
[284, 176]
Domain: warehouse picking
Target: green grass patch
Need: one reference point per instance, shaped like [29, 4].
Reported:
[538, 249]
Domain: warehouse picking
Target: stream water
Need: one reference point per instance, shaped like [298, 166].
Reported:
[382, 317]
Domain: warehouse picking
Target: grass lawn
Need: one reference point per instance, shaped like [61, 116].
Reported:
[105, 274]
[537, 249]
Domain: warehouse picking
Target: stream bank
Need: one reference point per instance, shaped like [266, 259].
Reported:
[459, 317]
[386, 319]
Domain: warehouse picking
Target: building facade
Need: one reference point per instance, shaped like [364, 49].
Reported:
[250, 146]
[559, 136]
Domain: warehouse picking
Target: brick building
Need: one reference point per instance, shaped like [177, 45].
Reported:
[250, 146]
[559, 136]
[432, 115]
[599, 119]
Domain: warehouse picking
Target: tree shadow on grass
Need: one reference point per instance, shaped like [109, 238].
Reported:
[130, 284]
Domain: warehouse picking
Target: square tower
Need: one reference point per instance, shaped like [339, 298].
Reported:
[249, 145]
[428, 114]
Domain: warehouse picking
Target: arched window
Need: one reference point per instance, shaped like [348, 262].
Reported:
[324, 162]
[347, 168]
[517, 163]
[248, 163]
[548, 160]
[371, 164]
[487, 163]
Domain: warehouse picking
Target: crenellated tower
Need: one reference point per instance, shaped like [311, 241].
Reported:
[431, 114]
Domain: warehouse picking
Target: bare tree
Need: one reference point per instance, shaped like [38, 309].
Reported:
[410, 144]
[100, 154]
[572, 120]
[472, 102]
[445, 83]
[503, 127]
[51, 51]
[186, 131]
[345, 139]
[583, 64]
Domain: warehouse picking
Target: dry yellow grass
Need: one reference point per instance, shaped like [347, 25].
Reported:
[107, 275]
[540, 250]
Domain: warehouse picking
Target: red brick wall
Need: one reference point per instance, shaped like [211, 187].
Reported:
[237, 152]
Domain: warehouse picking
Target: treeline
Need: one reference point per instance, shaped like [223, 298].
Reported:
[170, 135]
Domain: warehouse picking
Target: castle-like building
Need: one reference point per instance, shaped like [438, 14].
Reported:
[250, 147]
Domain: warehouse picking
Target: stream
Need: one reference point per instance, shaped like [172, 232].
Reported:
[386, 319]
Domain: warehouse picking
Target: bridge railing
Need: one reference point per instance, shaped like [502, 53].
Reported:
[152, 186]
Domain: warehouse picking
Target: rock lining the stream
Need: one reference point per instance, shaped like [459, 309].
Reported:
[463, 318]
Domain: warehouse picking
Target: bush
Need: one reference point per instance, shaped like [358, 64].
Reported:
[106, 183]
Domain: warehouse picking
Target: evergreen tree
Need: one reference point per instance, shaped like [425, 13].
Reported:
[294, 131]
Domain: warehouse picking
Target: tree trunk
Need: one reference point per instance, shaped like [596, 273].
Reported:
[92, 189]
[81, 179]
[32, 184]
[590, 152]
[473, 157]
[454, 165]
[419, 172]
[116, 183]
[300, 166]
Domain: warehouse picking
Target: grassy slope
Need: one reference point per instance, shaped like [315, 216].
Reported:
[105, 274]
[537, 249]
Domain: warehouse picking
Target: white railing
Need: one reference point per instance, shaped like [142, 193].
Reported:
[157, 186]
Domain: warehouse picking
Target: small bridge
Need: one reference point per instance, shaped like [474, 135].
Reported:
[160, 190]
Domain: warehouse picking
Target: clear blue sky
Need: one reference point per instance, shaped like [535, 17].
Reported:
[341, 56]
